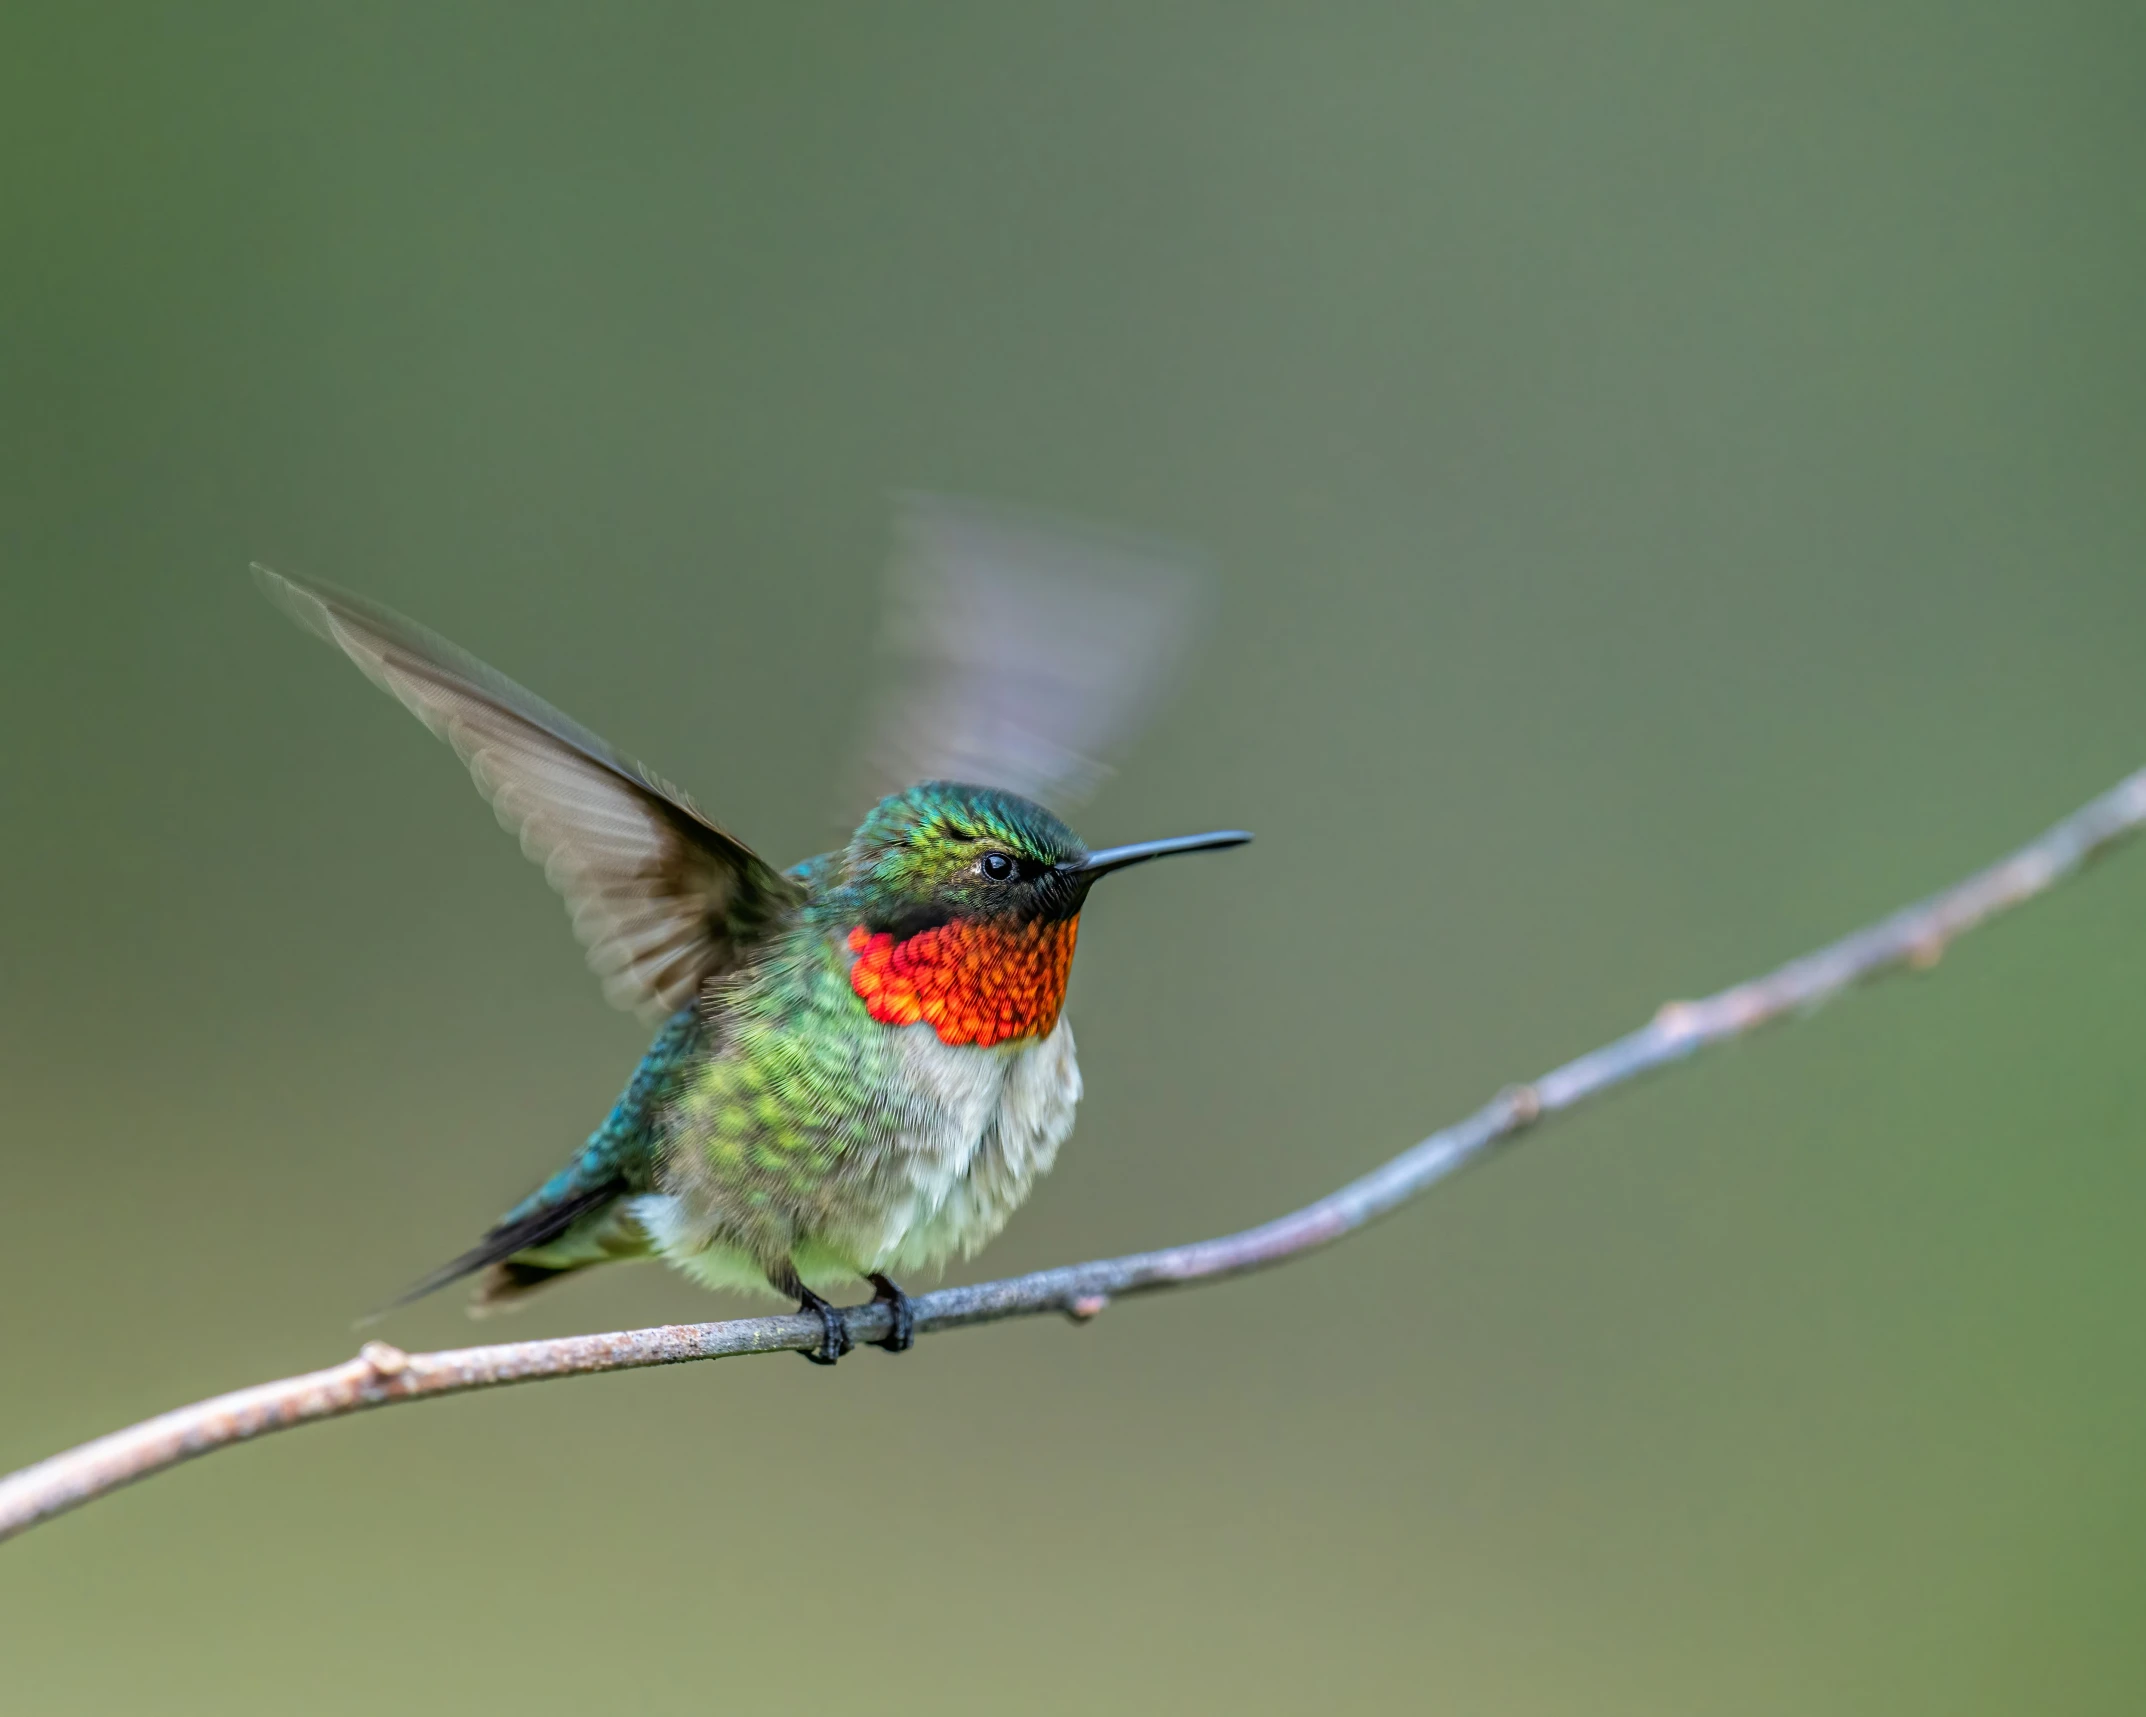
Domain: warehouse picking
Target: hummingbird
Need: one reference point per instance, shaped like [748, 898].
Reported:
[862, 1064]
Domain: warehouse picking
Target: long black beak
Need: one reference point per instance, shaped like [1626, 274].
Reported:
[1117, 858]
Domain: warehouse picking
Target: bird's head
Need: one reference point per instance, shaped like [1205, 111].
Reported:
[961, 905]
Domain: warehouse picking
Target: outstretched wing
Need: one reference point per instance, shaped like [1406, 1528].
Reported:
[1022, 651]
[661, 896]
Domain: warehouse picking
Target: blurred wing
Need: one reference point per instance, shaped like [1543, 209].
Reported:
[1023, 651]
[660, 895]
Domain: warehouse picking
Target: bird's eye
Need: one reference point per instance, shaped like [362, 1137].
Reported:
[997, 866]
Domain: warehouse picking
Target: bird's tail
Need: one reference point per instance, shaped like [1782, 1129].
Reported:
[523, 1229]
[616, 1160]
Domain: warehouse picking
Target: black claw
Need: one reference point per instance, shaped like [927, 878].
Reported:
[902, 1334]
[834, 1332]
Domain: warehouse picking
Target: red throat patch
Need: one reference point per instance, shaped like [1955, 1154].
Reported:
[975, 983]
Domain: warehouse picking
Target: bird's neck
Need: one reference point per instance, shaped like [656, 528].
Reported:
[972, 981]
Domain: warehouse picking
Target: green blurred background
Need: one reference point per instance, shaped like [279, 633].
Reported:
[1678, 478]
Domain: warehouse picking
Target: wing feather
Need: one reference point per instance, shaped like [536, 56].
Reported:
[661, 897]
[1022, 651]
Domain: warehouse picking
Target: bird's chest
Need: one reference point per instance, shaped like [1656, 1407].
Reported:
[974, 1128]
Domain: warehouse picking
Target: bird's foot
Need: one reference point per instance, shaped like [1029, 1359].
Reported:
[902, 1331]
[834, 1332]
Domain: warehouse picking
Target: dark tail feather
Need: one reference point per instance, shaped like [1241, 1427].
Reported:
[504, 1286]
[501, 1242]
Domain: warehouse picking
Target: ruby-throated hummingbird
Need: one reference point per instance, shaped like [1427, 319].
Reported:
[863, 1066]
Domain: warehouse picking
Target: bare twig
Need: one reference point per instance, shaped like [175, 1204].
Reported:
[382, 1375]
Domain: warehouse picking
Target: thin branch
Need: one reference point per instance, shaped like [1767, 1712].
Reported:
[382, 1375]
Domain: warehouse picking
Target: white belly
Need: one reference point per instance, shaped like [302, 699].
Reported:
[989, 1122]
